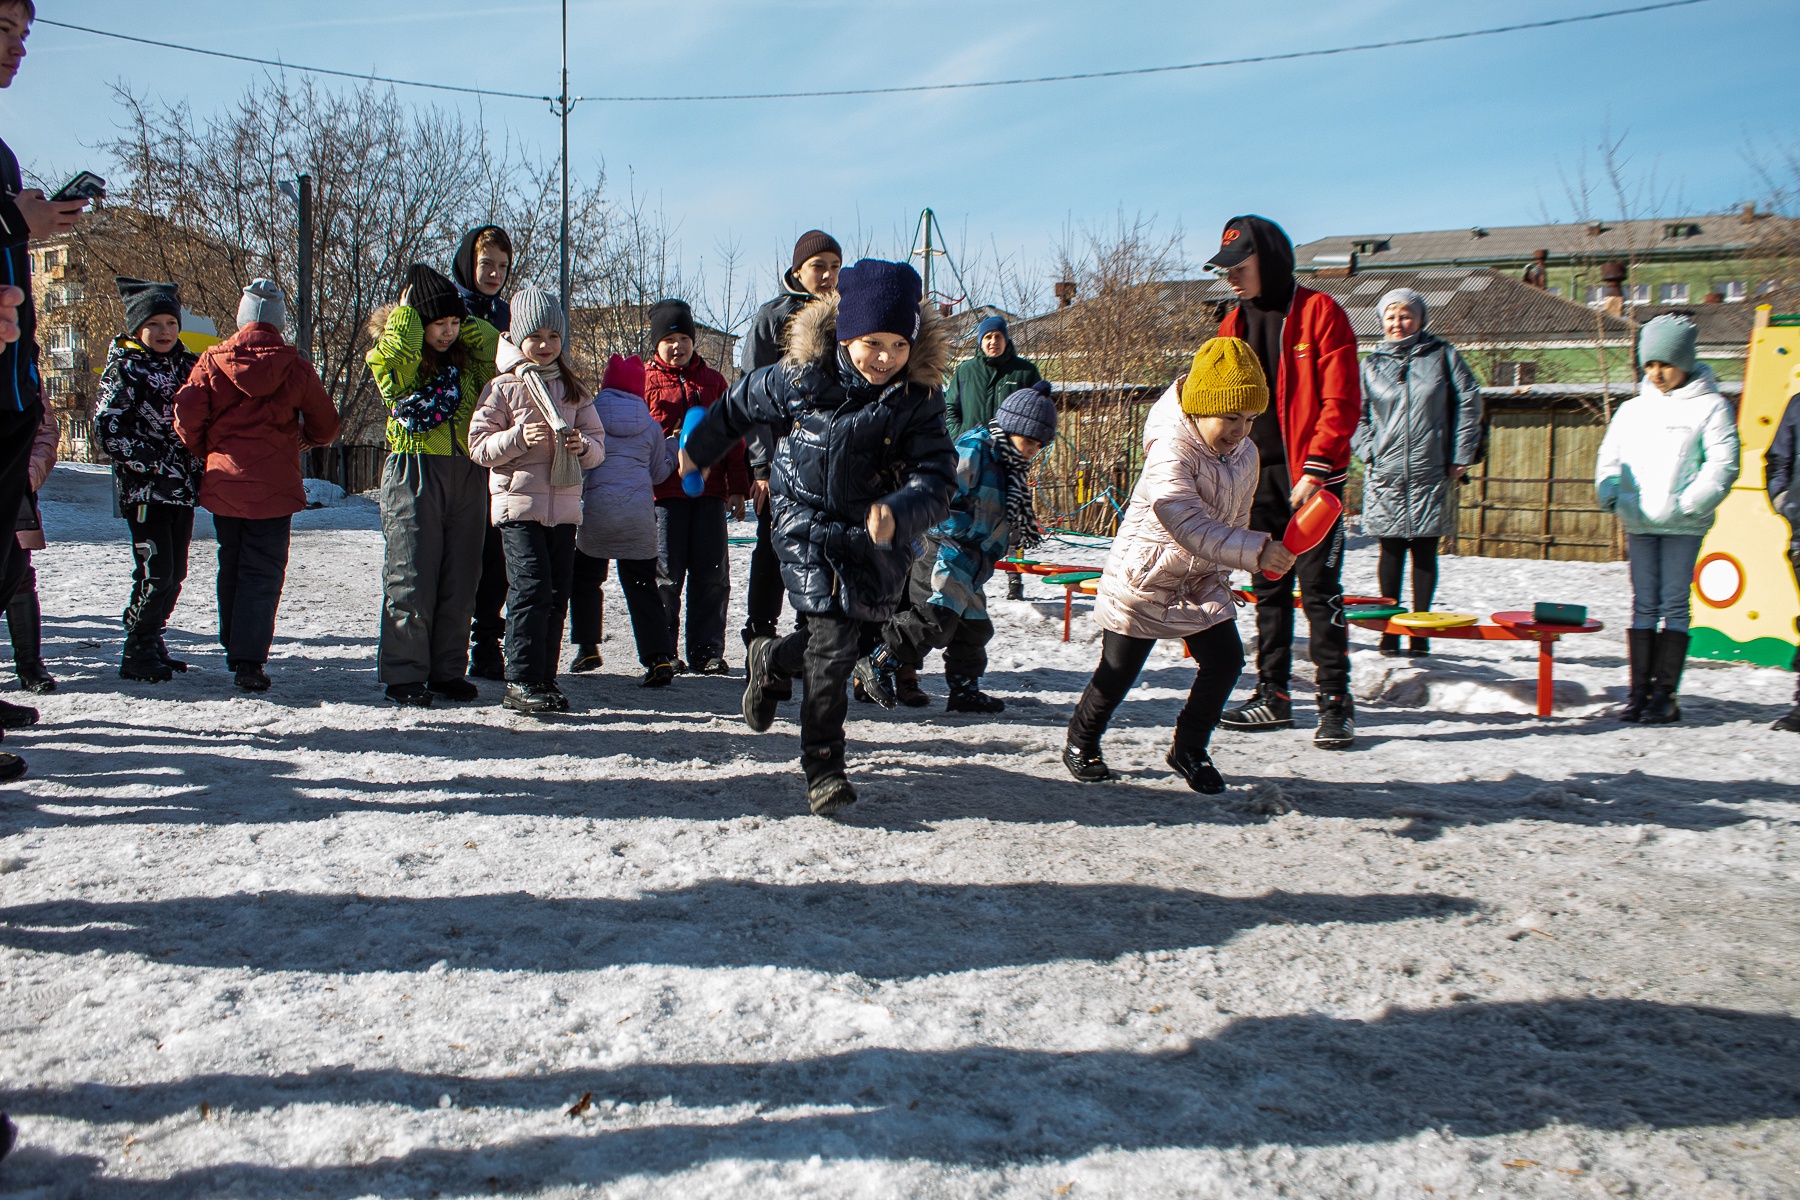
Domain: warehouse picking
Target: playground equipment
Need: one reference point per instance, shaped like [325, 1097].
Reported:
[1506, 627]
[1747, 603]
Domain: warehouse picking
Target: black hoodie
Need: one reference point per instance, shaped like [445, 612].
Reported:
[1263, 318]
[492, 309]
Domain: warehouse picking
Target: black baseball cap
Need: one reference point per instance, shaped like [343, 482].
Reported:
[1235, 245]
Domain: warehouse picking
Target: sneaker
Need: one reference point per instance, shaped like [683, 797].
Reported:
[1790, 723]
[967, 697]
[829, 795]
[875, 676]
[1268, 708]
[759, 705]
[11, 768]
[1196, 766]
[1085, 765]
[409, 695]
[528, 698]
[712, 664]
[1337, 723]
[587, 658]
[250, 677]
[459, 690]
[660, 674]
[486, 661]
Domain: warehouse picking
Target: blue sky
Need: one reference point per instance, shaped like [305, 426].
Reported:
[1444, 136]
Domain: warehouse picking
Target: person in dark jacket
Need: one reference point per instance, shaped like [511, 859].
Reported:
[1419, 434]
[817, 260]
[1781, 475]
[1308, 354]
[974, 394]
[865, 469]
[480, 270]
[156, 477]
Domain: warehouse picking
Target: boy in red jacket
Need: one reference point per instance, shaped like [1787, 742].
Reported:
[1308, 353]
[249, 407]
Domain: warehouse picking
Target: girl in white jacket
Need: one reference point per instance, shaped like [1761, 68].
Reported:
[1168, 573]
[1668, 461]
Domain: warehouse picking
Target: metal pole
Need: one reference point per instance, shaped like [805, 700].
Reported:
[925, 220]
[305, 282]
[563, 106]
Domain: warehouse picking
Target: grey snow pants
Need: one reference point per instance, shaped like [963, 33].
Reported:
[434, 517]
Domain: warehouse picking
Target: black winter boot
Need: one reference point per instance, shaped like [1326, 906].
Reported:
[759, 690]
[1790, 723]
[876, 676]
[532, 699]
[25, 623]
[907, 689]
[1390, 645]
[659, 674]
[409, 695]
[827, 790]
[486, 661]
[966, 696]
[140, 662]
[1337, 722]
[1671, 657]
[250, 676]
[162, 651]
[1085, 765]
[587, 658]
[1640, 645]
[1193, 764]
[1268, 708]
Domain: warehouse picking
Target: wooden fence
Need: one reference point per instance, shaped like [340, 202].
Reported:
[353, 468]
[1534, 496]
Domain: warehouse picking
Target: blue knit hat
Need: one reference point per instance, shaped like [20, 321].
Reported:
[876, 296]
[1669, 339]
[993, 324]
[1029, 412]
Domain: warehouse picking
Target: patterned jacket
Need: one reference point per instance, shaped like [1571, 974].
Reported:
[135, 421]
[974, 536]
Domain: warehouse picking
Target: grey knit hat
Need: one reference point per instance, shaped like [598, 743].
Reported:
[533, 309]
[1669, 339]
[263, 301]
[1407, 297]
[1029, 412]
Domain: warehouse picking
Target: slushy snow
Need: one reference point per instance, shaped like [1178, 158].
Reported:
[309, 945]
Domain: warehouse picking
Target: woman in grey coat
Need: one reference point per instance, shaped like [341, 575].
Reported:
[1420, 432]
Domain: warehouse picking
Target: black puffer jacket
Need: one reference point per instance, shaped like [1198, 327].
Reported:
[763, 347]
[135, 420]
[850, 446]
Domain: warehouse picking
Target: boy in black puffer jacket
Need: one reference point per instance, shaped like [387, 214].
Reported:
[1781, 475]
[866, 469]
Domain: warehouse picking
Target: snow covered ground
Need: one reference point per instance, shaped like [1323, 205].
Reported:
[308, 945]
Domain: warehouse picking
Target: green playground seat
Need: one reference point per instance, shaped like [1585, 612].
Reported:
[1071, 578]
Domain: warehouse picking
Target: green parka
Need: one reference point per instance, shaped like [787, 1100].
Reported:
[394, 362]
[978, 385]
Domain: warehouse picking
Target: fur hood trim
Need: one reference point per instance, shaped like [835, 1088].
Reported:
[812, 338]
[378, 321]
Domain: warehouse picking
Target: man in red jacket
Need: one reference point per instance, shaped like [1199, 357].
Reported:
[250, 405]
[1308, 352]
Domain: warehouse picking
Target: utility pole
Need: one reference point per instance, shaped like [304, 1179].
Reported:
[925, 231]
[563, 112]
[305, 281]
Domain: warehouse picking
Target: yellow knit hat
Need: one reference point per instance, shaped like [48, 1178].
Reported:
[1226, 377]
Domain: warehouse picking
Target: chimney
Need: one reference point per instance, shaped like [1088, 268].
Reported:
[1749, 212]
[1537, 275]
[1065, 293]
[1612, 288]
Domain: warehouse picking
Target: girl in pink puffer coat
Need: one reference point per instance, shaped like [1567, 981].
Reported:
[1168, 575]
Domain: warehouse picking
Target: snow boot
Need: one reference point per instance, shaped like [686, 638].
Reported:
[907, 689]
[712, 664]
[558, 701]
[11, 767]
[587, 658]
[1665, 681]
[1015, 586]
[1640, 645]
[409, 695]
[1418, 648]
[875, 675]
[1193, 764]
[1085, 765]
[1390, 645]
[1337, 722]
[966, 696]
[169, 660]
[25, 623]
[660, 673]
[486, 661]
[532, 699]
[829, 794]
[1268, 708]
[459, 690]
[140, 662]
[759, 698]
[250, 676]
[9, 1133]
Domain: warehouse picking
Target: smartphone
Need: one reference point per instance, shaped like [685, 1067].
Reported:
[85, 186]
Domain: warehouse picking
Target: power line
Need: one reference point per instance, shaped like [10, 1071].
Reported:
[1247, 60]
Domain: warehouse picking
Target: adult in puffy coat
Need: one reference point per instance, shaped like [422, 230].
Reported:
[1168, 574]
[692, 542]
[24, 617]
[865, 469]
[1781, 476]
[248, 409]
[618, 522]
[816, 262]
[1667, 462]
[1308, 354]
[975, 389]
[1420, 432]
[156, 477]
[480, 269]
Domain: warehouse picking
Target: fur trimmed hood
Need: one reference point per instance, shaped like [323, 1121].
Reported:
[812, 340]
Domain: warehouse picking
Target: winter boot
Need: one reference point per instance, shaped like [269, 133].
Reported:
[459, 690]
[532, 699]
[966, 696]
[876, 676]
[486, 661]
[712, 664]
[1640, 645]
[409, 695]
[829, 794]
[25, 623]
[1193, 764]
[1418, 648]
[9, 1133]
[1390, 645]
[1269, 708]
[1665, 680]
[250, 676]
[660, 674]
[907, 689]
[1015, 586]
[179, 666]
[1791, 722]
[757, 629]
[759, 699]
[587, 658]
[1337, 722]
[1085, 765]
[11, 767]
[140, 662]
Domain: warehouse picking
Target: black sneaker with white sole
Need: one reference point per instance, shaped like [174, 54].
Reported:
[1337, 723]
[1268, 708]
[759, 703]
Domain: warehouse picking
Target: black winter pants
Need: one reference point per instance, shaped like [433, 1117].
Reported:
[637, 579]
[691, 546]
[1219, 655]
[1320, 575]
[919, 627]
[490, 593]
[17, 429]
[160, 536]
[540, 562]
[253, 555]
[763, 605]
[823, 652]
